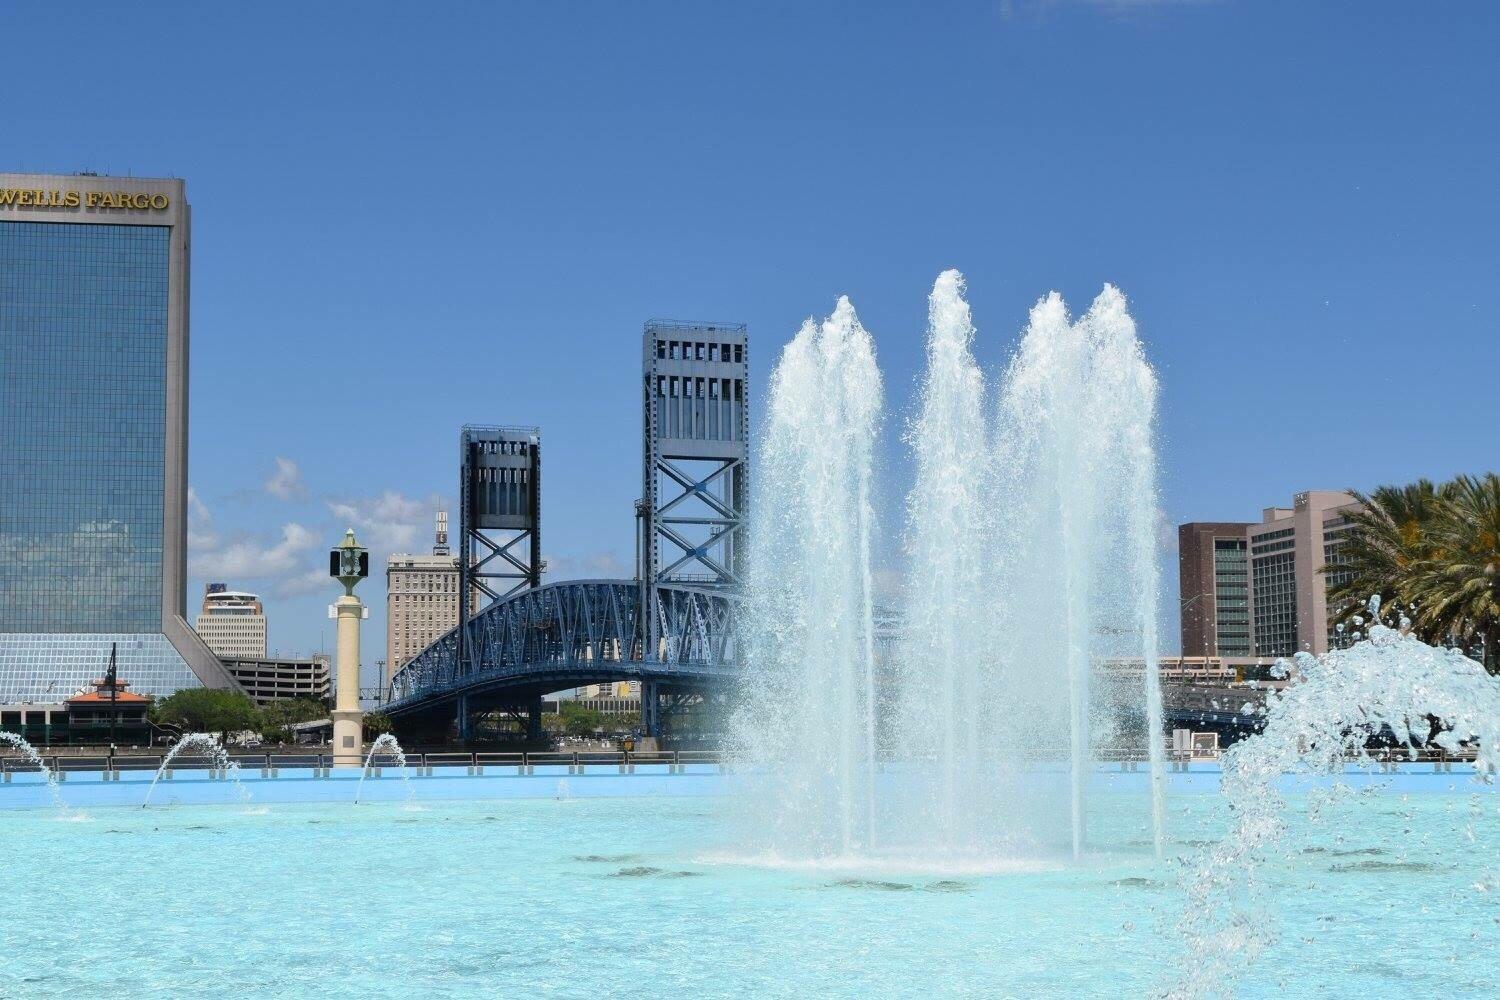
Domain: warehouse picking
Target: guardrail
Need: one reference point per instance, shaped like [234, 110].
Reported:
[576, 761]
[525, 761]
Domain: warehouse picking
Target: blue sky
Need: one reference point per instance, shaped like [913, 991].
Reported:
[408, 217]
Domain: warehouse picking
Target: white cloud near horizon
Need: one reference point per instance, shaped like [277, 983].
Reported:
[286, 482]
[200, 530]
[389, 522]
[247, 559]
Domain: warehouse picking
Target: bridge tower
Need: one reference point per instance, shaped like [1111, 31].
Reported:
[695, 465]
[500, 514]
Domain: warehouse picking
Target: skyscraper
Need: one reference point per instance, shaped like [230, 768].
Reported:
[233, 623]
[93, 416]
[421, 600]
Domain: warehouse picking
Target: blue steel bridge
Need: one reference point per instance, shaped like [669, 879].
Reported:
[564, 635]
[671, 628]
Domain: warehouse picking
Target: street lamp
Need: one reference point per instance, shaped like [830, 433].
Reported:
[348, 563]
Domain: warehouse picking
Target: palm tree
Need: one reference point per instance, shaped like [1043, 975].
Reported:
[1456, 583]
[1378, 556]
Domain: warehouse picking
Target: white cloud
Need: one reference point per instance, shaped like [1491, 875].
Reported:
[200, 532]
[388, 523]
[248, 560]
[286, 481]
[308, 582]
[196, 507]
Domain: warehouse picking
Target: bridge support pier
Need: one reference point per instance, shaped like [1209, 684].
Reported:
[534, 732]
[463, 722]
[651, 708]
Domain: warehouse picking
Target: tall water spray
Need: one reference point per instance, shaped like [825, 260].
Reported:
[809, 707]
[1076, 558]
[1029, 557]
[942, 663]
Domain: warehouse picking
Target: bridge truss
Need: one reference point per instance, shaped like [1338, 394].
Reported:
[571, 634]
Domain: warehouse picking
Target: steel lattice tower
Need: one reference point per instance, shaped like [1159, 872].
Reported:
[695, 449]
[500, 511]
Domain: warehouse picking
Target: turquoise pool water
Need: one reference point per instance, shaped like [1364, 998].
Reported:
[1387, 895]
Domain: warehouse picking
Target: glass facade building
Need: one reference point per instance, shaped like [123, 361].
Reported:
[1258, 591]
[93, 317]
[1231, 597]
[1275, 581]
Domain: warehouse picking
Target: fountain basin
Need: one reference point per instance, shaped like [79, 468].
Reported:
[604, 898]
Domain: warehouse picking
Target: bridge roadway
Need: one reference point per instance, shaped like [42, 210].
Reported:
[564, 635]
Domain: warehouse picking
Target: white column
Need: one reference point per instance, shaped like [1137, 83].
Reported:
[348, 720]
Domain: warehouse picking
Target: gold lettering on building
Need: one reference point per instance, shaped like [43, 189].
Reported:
[34, 198]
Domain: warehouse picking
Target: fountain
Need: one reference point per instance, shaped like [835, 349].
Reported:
[809, 707]
[35, 759]
[1075, 563]
[1390, 682]
[387, 742]
[210, 743]
[1029, 558]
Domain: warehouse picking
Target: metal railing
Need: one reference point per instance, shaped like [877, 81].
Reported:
[575, 761]
[523, 761]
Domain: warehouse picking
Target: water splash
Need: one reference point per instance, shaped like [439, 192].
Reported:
[34, 758]
[388, 743]
[944, 714]
[1076, 559]
[210, 744]
[1027, 561]
[1390, 682]
[809, 710]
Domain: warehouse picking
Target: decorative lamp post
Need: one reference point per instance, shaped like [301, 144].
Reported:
[348, 563]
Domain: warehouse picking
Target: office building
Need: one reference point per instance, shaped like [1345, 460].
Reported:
[1289, 591]
[93, 437]
[233, 623]
[1214, 587]
[1255, 591]
[421, 600]
[266, 679]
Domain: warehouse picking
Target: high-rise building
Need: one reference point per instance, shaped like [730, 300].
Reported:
[1213, 572]
[1257, 591]
[1289, 591]
[93, 437]
[233, 623]
[421, 594]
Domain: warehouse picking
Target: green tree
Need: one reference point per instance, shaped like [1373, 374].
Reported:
[1456, 584]
[377, 724]
[207, 710]
[1389, 538]
[277, 717]
[579, 720]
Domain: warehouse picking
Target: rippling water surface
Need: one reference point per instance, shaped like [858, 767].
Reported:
[642, 898]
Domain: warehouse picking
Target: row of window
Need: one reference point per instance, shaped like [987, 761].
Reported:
[682, 350]
[673, 387]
